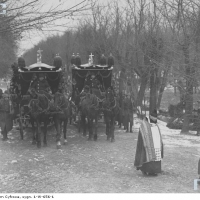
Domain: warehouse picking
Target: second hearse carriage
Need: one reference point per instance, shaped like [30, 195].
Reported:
[83, 74]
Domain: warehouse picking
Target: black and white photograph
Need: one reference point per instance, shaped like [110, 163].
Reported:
[99, 97]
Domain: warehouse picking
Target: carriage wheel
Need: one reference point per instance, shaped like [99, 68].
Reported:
[21, 124]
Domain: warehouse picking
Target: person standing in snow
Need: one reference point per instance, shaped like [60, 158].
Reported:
[149, 150]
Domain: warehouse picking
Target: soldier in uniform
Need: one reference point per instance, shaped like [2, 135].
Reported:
[128, 112]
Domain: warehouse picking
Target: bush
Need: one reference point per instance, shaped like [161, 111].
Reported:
[176, 110]
[175, 123]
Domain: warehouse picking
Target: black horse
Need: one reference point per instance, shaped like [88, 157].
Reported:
[62, 114]
[111, 110]
[89, 108]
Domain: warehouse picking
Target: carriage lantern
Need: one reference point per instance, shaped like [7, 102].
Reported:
[57, 62]
[73, 59]
[110, 60]
[21, 62]
[78, 60]
[102, 60]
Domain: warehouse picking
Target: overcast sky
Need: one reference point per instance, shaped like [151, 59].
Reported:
[31, 38]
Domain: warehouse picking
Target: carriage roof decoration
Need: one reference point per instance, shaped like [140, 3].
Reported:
[104, 64]
[23, 75]
[39, 66]
[102, 71]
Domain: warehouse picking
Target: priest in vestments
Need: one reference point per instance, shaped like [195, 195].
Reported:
[149, 150]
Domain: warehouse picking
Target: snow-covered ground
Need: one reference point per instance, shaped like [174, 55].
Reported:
[173, 137]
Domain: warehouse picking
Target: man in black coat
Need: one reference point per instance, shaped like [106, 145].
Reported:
[41, 84]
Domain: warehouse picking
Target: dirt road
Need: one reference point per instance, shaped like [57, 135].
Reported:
[95, 167]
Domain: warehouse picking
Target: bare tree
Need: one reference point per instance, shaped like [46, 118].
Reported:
[23, 16]
[181, 16]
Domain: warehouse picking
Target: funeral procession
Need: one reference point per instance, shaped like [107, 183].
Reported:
[99, 96]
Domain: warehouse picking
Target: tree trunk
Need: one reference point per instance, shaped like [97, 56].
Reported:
[121, 81]
[181, 89]
[144, 80]
[153, 90]
[162, 87]
[189, 91]
[161, 90]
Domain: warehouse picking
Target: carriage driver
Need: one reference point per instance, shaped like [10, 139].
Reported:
[41, 84]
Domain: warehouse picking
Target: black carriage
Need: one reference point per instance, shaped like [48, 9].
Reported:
[85, 74]
[23, 77]
[94, 95]
[81, 73]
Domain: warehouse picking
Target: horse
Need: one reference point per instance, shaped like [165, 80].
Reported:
[62, 114]
[111, 110]
[89, 107]
[38, 108]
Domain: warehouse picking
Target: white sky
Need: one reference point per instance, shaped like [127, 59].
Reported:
[31, 38]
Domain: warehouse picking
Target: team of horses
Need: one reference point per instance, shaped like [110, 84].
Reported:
[88, 106]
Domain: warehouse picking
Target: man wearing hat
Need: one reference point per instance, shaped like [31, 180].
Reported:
[149, 150]
[6, 116]
[41, 84]
[128, 109]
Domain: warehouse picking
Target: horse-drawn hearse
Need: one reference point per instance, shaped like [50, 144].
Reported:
[85, 74]
[38, 97]
[93, 95]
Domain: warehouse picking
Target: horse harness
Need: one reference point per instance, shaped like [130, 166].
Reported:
[36, 102]
[63, 103]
